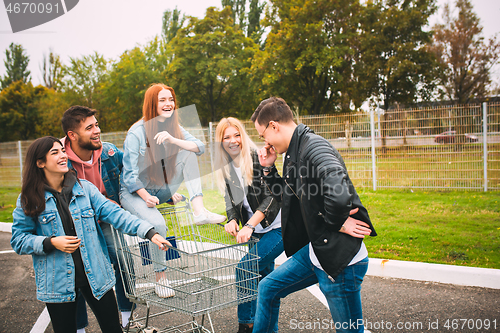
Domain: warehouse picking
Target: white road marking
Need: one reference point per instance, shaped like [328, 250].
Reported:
[7, 251]
[42, 322]
[314, 289]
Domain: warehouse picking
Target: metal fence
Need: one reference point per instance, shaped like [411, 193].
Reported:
[445, 147]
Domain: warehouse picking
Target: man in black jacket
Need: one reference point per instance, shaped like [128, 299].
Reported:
[323, 221]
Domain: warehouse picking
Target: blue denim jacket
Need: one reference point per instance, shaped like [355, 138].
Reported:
[54, 271]
[135, 152]
[111, 167]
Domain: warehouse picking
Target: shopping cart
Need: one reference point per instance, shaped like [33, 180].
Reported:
[205, 268]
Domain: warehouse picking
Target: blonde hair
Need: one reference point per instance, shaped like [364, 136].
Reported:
[222, 159]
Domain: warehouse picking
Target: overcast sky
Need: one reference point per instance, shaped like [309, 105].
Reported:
[110, 27]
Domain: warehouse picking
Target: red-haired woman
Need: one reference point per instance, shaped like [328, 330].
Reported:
[158, 155]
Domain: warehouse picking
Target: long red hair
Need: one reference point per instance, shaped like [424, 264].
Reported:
[149, 113]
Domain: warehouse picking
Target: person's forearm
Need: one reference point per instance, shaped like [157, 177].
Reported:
[186, 145]
[143, 194]
[257, 217]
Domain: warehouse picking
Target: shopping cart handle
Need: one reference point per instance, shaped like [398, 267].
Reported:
[171, 202]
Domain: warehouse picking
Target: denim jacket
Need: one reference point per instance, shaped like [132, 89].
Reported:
[55, 271]
[111, 167]
[134, 156]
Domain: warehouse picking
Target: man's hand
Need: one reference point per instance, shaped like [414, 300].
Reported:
[355, 228]
[267, 156]
[232, 228]
[161, 242]
[244, 235]
[67, 244]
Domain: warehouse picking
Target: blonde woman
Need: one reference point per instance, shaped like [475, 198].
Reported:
[250, 208]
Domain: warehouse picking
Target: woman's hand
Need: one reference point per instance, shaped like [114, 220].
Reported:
[162, 137]
[232, 228]
[176, 198]
[160, 241]
[355, 228]
[67, 244]
[152, 201]
[244, 235]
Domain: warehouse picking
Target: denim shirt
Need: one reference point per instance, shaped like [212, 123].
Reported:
[55, 271]
[134, 155]
[111, 167]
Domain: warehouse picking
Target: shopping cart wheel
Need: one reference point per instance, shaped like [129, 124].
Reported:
[149, 330]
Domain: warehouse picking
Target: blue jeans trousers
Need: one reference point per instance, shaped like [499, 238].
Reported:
[269, 247]
[343, 294]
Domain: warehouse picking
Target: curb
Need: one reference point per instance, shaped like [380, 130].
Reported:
[419, 271]
[5, 227]
[450, 274]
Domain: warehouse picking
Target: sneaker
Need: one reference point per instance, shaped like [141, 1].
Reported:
[244, 328]
[207, 217]
[162, 288]
[134, 327]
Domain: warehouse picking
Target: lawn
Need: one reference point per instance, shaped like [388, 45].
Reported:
[449, 227]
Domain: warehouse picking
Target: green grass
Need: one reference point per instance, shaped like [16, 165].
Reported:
[452, 227]
[8, 197]
[459, 228]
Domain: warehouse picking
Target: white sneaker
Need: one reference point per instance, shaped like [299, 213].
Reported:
[162, 288]
[207, 217]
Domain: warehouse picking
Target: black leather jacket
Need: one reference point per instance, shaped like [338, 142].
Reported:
[317, 195]
[258, 197]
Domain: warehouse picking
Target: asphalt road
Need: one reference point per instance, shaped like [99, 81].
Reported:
[389, 305]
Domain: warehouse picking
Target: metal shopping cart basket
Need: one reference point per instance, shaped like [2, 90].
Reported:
[206, 270]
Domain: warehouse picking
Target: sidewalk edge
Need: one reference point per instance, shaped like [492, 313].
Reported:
[5, 227]
[419, 271]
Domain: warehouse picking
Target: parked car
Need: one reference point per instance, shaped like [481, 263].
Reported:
[449, 137]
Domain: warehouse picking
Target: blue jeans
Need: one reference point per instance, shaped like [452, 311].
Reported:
[269, 247]
[297, 273]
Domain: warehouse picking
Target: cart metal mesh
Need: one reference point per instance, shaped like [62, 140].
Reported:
[206, 269]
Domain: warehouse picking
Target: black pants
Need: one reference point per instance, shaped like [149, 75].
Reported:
[63, 315]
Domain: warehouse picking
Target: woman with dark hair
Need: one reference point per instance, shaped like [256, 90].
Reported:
[158, 156]
[55, 221]
[251, 209]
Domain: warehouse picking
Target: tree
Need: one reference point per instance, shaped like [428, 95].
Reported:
[52, 71]
[16, 64]
[211, 60]
[310, 54]
[237, 11]
[19, 111]
[83, 78]
[254, 29]
[51, 107]
[466, 58]
[172, 22]
[396, 64]
[124, 87]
